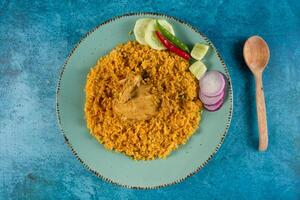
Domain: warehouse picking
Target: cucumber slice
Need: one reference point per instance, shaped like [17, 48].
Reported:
[139, 30]
[198, 69]
[150, 36]
[199, 50]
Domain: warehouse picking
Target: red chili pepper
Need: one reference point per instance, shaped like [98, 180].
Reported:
[172, 47]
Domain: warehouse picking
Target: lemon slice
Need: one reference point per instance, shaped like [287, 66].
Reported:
[199, 50]
[198, 69]
[139, 29]
[150, 36]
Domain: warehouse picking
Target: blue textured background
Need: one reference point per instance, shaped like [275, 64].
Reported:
[35, 39]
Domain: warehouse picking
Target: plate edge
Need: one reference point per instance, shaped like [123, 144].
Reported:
[157, 15]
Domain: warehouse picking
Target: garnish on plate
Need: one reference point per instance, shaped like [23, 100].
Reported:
[139, 30]
[198, 69]
[212, 90]
[199, 51]
[171, 37]
[150, 36]
[172, 47]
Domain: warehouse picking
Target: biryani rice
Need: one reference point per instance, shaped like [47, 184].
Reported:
[170, 82]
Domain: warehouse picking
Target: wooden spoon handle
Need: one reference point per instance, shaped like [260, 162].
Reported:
[261, 113]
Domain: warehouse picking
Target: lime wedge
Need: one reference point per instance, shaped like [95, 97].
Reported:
[198, 69]
[199, 51]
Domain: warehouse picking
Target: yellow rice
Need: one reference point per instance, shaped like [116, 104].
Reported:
[171, 83]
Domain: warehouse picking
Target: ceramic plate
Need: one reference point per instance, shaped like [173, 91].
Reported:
[115, 167]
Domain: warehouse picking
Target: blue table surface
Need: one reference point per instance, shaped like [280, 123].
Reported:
[35, 39]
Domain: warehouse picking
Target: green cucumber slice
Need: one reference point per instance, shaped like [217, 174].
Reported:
[199, 50]
[198, 69]
[139, 30]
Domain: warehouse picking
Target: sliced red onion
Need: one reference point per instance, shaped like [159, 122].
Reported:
[211, 100]
[212, 84]
[216, 106]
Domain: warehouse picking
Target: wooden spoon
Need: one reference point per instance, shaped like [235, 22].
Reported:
[256, 54]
